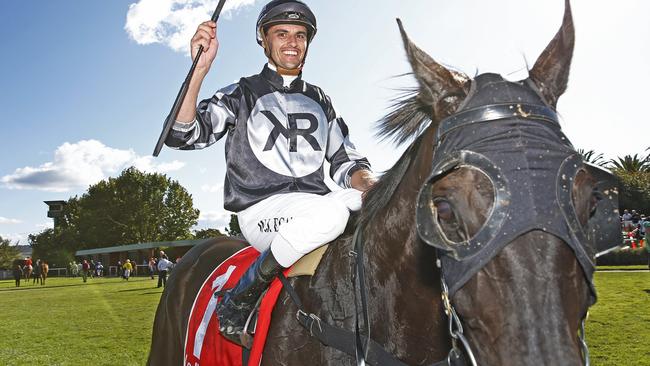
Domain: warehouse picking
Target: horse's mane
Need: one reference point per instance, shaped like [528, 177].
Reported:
[407, 119]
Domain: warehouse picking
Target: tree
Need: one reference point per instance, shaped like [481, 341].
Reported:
[634, 192]
[8, 253]
[135, 207]
[50, 246]
[630, 164]
[593, 158]
[233, 227]
[207, 233]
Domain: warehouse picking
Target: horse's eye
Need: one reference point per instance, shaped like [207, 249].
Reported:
[445, 211]
[448, 221]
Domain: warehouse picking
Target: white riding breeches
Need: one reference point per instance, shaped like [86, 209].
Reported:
[294, 224]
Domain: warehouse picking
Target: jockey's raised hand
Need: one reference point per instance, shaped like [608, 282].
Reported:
[206, 36]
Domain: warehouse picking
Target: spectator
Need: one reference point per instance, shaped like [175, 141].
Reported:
[163, 266]
[99, 269]
[127, 269]
[74, 270]
[85, 269]
[640, 230]
[18, 274]
[120, 269]
[627, 220]
[152, 266]
[646, 225]
[36, 273]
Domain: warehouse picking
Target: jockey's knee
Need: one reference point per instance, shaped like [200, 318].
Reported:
[304, 234]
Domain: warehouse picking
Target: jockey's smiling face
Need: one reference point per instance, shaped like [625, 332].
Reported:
[286, 44]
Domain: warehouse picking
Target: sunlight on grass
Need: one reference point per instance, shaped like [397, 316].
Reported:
[68, 322]
[109, 321]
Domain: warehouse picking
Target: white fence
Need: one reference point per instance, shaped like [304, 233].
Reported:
[53, 272]
[6, 275]
[57, 272]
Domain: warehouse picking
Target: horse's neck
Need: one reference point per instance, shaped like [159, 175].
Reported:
[401, 270]
[391, 234]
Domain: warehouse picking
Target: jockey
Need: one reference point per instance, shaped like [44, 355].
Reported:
[281, 130]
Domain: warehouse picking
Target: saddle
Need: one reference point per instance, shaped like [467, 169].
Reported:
[203, 343]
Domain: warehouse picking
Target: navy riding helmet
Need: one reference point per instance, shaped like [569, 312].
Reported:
[283, 12]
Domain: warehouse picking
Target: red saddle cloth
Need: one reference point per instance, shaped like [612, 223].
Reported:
[204, 346]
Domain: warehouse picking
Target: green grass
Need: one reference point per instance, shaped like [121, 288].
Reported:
[108, 321]
[68, 322]
[618, 328]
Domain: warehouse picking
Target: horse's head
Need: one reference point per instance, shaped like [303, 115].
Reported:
[515, 214]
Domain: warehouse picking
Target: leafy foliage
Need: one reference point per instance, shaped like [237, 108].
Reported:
[630, 164]
[233, 227]
[8, 252]
[207, 233]
[633, 172]
[592, 157]
[51, 246]
[135, 207]
[634, 191]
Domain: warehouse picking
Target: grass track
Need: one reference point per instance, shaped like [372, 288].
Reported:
[108, 321]
[68, 322]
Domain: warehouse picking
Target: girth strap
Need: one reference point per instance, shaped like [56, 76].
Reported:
[339, 338]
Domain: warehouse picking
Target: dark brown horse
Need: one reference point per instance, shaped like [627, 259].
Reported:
[520, 301]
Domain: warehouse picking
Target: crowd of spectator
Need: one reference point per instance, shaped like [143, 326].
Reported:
[636, 228]
[26, 269]
[160, 265]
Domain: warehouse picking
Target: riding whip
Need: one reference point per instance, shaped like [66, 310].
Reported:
[181, 93]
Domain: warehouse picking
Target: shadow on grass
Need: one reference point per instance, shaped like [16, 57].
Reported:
[647, 291]
[136, 289]
[152, 293]
[40, 287]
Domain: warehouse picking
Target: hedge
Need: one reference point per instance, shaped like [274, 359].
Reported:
[625, 257]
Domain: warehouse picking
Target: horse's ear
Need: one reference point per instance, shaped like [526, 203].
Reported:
[551, 71]
[440, 88]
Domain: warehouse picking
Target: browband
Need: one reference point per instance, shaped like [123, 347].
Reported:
[493, 112]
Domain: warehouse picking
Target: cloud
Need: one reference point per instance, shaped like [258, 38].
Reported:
[80, 164]
[47, 225]
[172, 22]
[4, 220]
[15, 239]
[215, 218]
[217, 188]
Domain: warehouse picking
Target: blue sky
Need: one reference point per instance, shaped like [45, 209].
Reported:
[84, 95]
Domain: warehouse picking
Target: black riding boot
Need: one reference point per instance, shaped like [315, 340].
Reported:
[237, 304]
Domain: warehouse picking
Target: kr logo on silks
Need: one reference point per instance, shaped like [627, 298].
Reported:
[290, 140]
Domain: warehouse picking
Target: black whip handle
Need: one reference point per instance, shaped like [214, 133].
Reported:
[171, 117]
